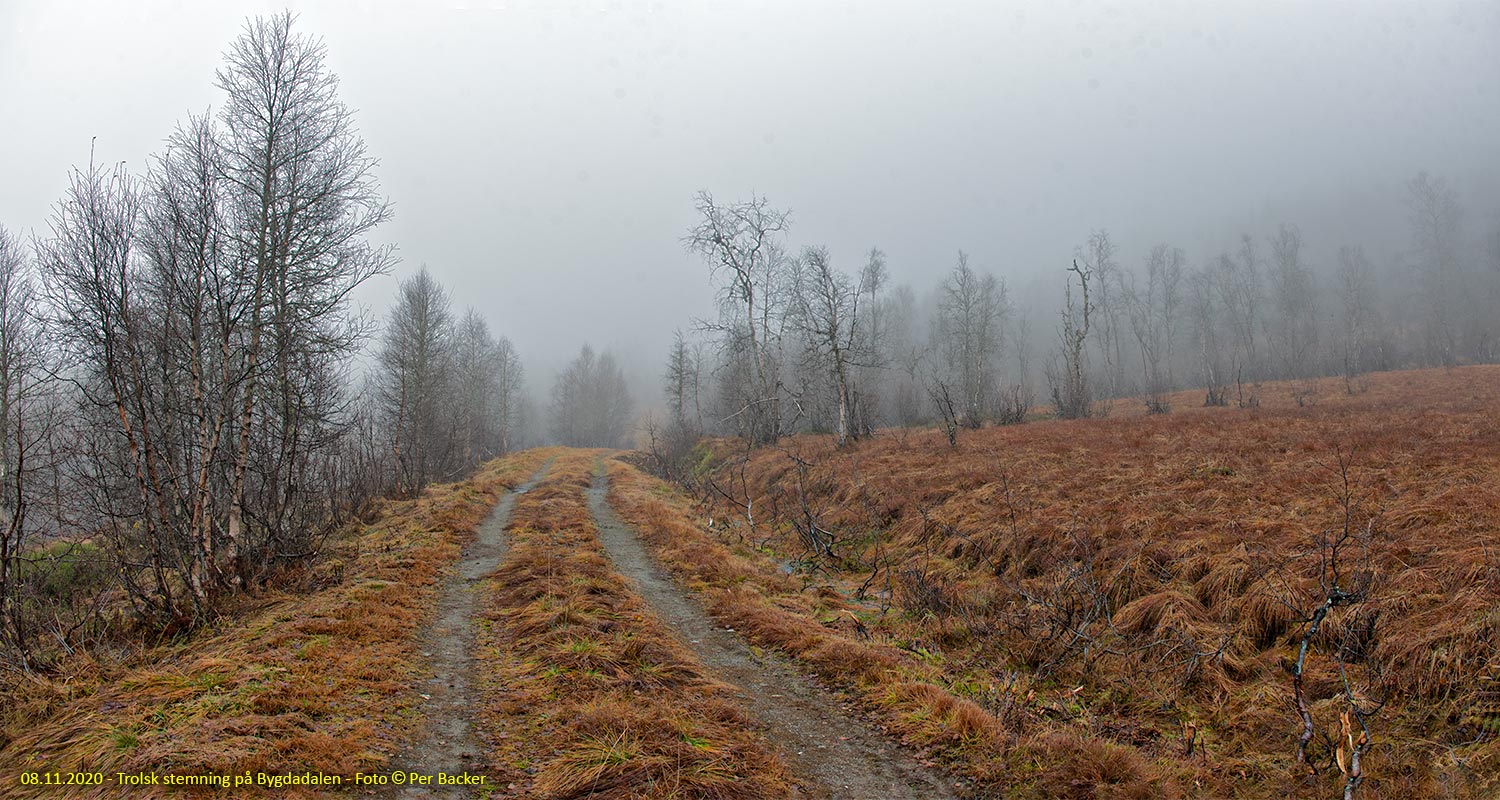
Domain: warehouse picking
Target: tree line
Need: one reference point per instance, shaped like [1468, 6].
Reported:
[452, 394]
[801, 345]
[183, 414]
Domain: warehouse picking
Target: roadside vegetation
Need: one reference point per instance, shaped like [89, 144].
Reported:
[318, 674]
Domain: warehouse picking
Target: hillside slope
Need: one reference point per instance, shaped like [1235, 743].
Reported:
[1116, 606]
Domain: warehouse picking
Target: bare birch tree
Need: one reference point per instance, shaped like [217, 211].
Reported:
[1359, 317]
[1240, 292]
[740, 241]
[91, 266]
[1153, 309]
[873, 335]
[510, 396]
[969, 336]
[478, 392]
[1068, 374]
[28, 418]
[1436, 230]
[1206, 312]
[1294, 294]
[906, 354]
[832, 320]
[1098, 257]
[303, 199]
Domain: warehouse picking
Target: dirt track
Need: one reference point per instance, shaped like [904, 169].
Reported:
[446, 743]
[839, 756]
[834, 755]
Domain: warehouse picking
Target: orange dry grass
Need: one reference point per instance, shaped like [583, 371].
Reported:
[588, 695]
[748, 593]
[1191, 526]
[322, 682]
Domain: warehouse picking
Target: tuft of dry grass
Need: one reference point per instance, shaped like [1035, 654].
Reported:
[1092, 768]
[587, 694]
[322, 681]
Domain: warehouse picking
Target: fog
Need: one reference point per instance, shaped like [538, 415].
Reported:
[542, 157]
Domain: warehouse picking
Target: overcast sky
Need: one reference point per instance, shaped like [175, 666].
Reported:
[542, 156]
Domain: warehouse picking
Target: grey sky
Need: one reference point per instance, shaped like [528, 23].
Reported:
[542, 156]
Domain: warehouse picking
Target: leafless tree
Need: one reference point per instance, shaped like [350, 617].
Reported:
[510, 410]
[949, 415]
[1436, 221]
[1293, 290]
[872, 335]
[1098, 257]
[28, 418]
[741, 243]
[362, 468]
[484, 384]
[968, 335]
[416, 369]
[906, 355]
[1153, 310]
[1068, 374]
[302, 201]
[591, 406]
[92, 266]
[682, 383]
[613, 407]
[831, 313]
[449, 392]
[1345, 582]
[1016, 397]
[203, 321]
[189, 300]
[13, 541]
[1206, 313]
[1238, 283]
[1359, 317]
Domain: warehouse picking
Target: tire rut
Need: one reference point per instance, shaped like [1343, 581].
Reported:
[838, 755]
[446, 742]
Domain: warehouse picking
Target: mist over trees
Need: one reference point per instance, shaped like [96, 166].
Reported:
[1068, 378]
[1153, 305]
[591, 405]
[449, 393]
[836, 336]
[967, 338]
[801, 346]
